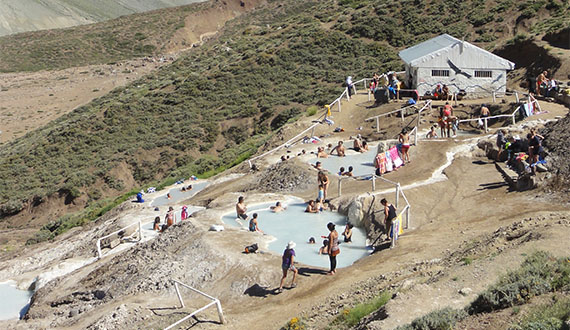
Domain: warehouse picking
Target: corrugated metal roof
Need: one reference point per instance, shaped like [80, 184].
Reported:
[417, 54]
[427, 47]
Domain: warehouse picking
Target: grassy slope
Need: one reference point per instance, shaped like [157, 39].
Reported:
[118, 39]
[218, 103]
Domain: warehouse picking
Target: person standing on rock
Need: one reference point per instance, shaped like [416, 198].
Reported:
[333, 249]
[287, 264]
[241, 208]
[389, 216]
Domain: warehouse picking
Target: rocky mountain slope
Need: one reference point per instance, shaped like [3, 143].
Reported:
[30, 15]
[214, 107]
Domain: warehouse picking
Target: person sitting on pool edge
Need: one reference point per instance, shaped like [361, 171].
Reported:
[277, 208]
[241, 208]
[311, 208]
[349, 172]
[253, 225]
[339, 149]
[357, 144]
[364, 146]
[319, 205]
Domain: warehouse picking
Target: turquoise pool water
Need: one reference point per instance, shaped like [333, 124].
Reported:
[176, 195]
[295, 225]
[363, 163]
[14, 303]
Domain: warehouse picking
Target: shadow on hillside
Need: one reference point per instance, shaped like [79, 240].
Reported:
[306, 271]
[257, 290]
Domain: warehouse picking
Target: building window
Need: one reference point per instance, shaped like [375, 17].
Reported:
[440, 73]
[483, 74]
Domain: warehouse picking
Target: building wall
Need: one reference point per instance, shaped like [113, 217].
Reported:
[475, 87]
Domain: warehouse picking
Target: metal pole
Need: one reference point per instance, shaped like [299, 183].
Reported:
[373, 182]
[416, 137]
[486, 129]
[140, 231]
[517, 96]
[455, 97]
[338, 105]
[179, 296]
[402, 114]
[313, 132]
[340, 186]
[220, 312]
[408, 217]
[377, 124]
[368, 95]
[514, 121]
[99, 252]
[346, 92]
[494, 97]
[249, 162]
[397, 194]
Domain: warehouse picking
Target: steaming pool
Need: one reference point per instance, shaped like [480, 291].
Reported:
[178, 195]
[15, 302]
[294, 224]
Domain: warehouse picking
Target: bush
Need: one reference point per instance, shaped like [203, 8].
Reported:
[351, 317]
[442, 319]
[539, 273]
[547, 317]
[284, 117]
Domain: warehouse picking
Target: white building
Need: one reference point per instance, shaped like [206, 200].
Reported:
[457, 64]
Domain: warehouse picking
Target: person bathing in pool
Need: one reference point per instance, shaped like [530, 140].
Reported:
[277, 208]
[253, 225]
[349, 172]
[339, 149]
[311, 207]
[325, 248]
[241, 209]
[319, 205]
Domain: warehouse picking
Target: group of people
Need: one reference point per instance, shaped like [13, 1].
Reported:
[517, 149]
[389, 82]
[169, 219]
[358, 145]
[441, 92]
[447, 122]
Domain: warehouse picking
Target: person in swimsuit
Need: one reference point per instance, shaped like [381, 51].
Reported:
[253, 225]
[534, 147]
[323, 180]
[348, 233]
[318, 166]
[389, 216]
[341, 171]
[349, 172]
[447, 110]
[311, 208]
[339, 149]
[241, 208]
[404, 139]
[357, 144]
[321, 153]
[319, 205]
[325, 248]
[432, 134]
[169, 219]
[364, 146]
[277, 208]
[156, 225]
[287, 264]
[334, 250]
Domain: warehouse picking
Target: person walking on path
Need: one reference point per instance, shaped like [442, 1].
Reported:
[389, 216]
[404, 139]
[350, 86]
[287, 265]
[334, 250]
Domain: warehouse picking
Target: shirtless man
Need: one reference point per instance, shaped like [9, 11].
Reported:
[277, 208]
[318, 166]
[339, 149]
[484, 113]
[321, 153]
[241, 208]
[357, 145]
[404, 139]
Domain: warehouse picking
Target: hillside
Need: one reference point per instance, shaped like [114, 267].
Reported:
[21, 16]
[214, 107]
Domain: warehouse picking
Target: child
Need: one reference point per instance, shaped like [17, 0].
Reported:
[325, 248]
[287, 264]
[184, 213]
[253, 225]
[321, 194]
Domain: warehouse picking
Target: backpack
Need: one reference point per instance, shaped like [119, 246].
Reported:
[251, 248]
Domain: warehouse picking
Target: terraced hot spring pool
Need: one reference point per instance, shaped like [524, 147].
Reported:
[14, 302]
[294, 224]
[362, 163]
[177, 195]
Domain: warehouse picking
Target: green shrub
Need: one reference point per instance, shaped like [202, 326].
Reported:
[442, 319]
[351, 317]
[312, 110]
[539, 273]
